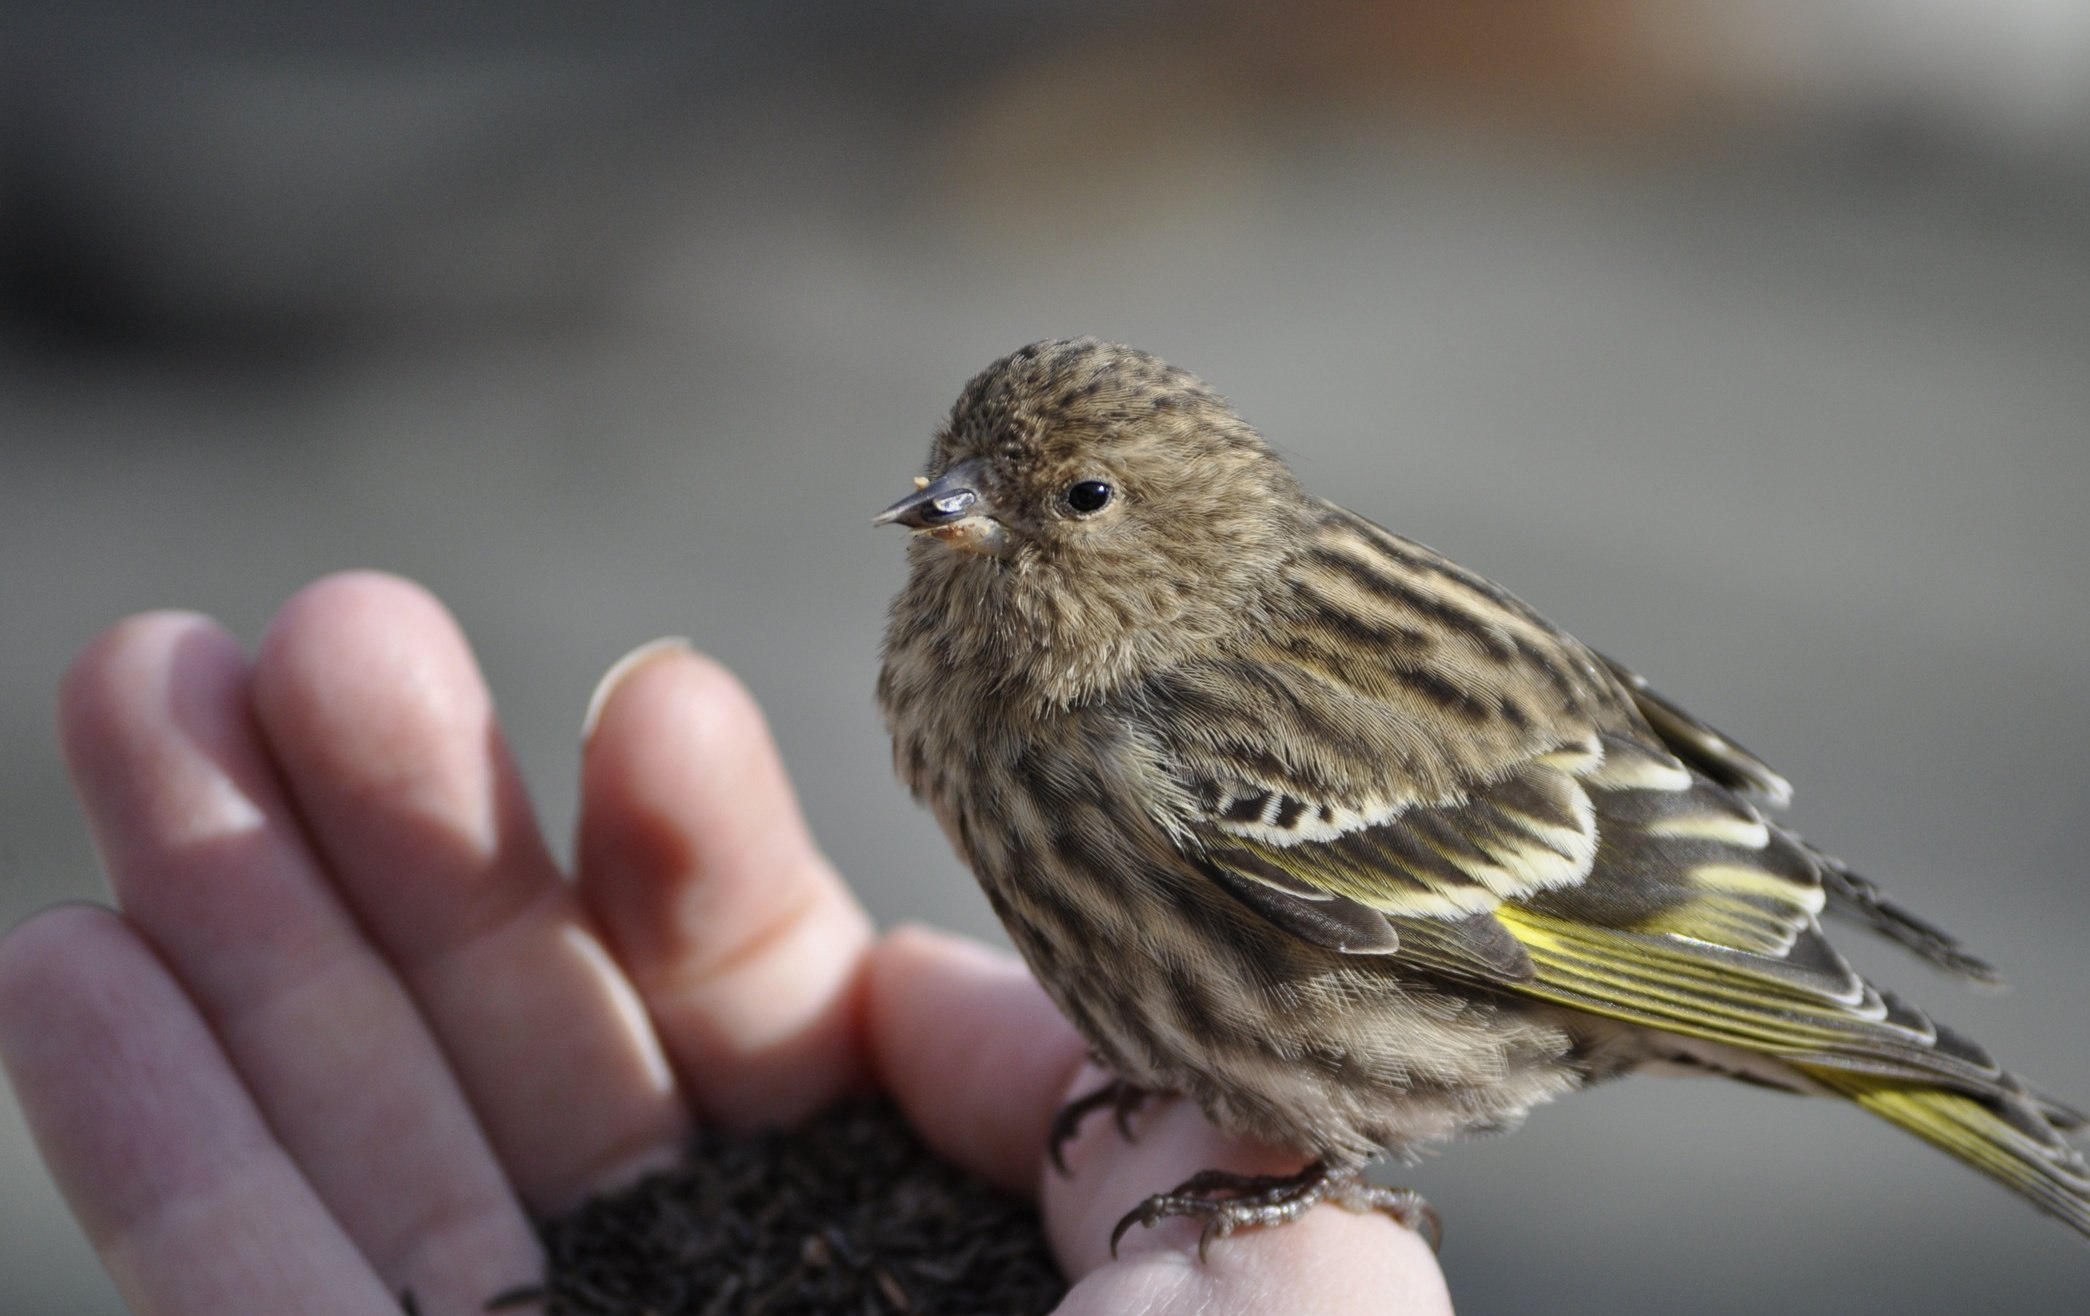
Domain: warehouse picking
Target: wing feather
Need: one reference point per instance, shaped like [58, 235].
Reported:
[1609, 879]
[1718, 758]
[1711, 753]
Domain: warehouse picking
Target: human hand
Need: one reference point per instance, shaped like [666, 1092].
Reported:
[352, 1030]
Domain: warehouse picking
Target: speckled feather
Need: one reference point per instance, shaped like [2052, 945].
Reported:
[1298, 817]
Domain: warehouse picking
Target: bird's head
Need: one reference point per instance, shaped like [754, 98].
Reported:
[1104, 508]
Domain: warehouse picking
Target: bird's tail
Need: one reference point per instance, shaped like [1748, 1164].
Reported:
[2014, 1138]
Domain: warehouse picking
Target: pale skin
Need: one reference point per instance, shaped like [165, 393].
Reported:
[351, 1029]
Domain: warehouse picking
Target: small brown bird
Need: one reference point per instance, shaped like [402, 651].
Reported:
[1298, 818]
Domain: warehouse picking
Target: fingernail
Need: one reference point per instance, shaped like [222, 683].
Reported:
[623, 668]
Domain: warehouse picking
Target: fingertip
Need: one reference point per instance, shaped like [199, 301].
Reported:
[69, 976]
[915, 942]
[37, 954]
[346, 600]
[1328, 1261]
[720, 732]
[124, 642]
[341, 624]
[358, 641]
[624, 668]
[138, 662]
[153, 727]
[970, 1047]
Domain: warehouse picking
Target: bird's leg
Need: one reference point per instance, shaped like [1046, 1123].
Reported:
[1124, 1101]
[1226, 1202]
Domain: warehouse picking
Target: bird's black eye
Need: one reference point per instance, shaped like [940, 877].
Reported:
[1086, 496]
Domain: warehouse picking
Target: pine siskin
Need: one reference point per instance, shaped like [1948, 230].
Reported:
[1294, 816]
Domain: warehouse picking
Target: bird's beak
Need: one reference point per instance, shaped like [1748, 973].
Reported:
[953, 509]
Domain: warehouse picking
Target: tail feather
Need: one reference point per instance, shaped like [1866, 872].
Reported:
[2010, 1138]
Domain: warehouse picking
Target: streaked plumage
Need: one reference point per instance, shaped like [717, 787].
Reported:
[1299, 818]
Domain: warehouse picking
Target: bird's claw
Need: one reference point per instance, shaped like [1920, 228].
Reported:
[1124, 1101]
[1226, 1202]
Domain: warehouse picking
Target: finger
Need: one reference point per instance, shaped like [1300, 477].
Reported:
[967, 1043]
[207, 858]
[743, 943]
[1328, 1260]
[369, 698]
[168, 1166]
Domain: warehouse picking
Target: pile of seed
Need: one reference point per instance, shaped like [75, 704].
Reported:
[847, 1214]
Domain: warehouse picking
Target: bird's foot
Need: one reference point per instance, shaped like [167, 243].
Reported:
[1124, 1101]
[1226, 1202]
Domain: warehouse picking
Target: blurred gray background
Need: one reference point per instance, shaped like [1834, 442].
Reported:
[1750, 340]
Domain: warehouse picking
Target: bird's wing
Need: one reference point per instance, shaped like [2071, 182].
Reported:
[1605, 876]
